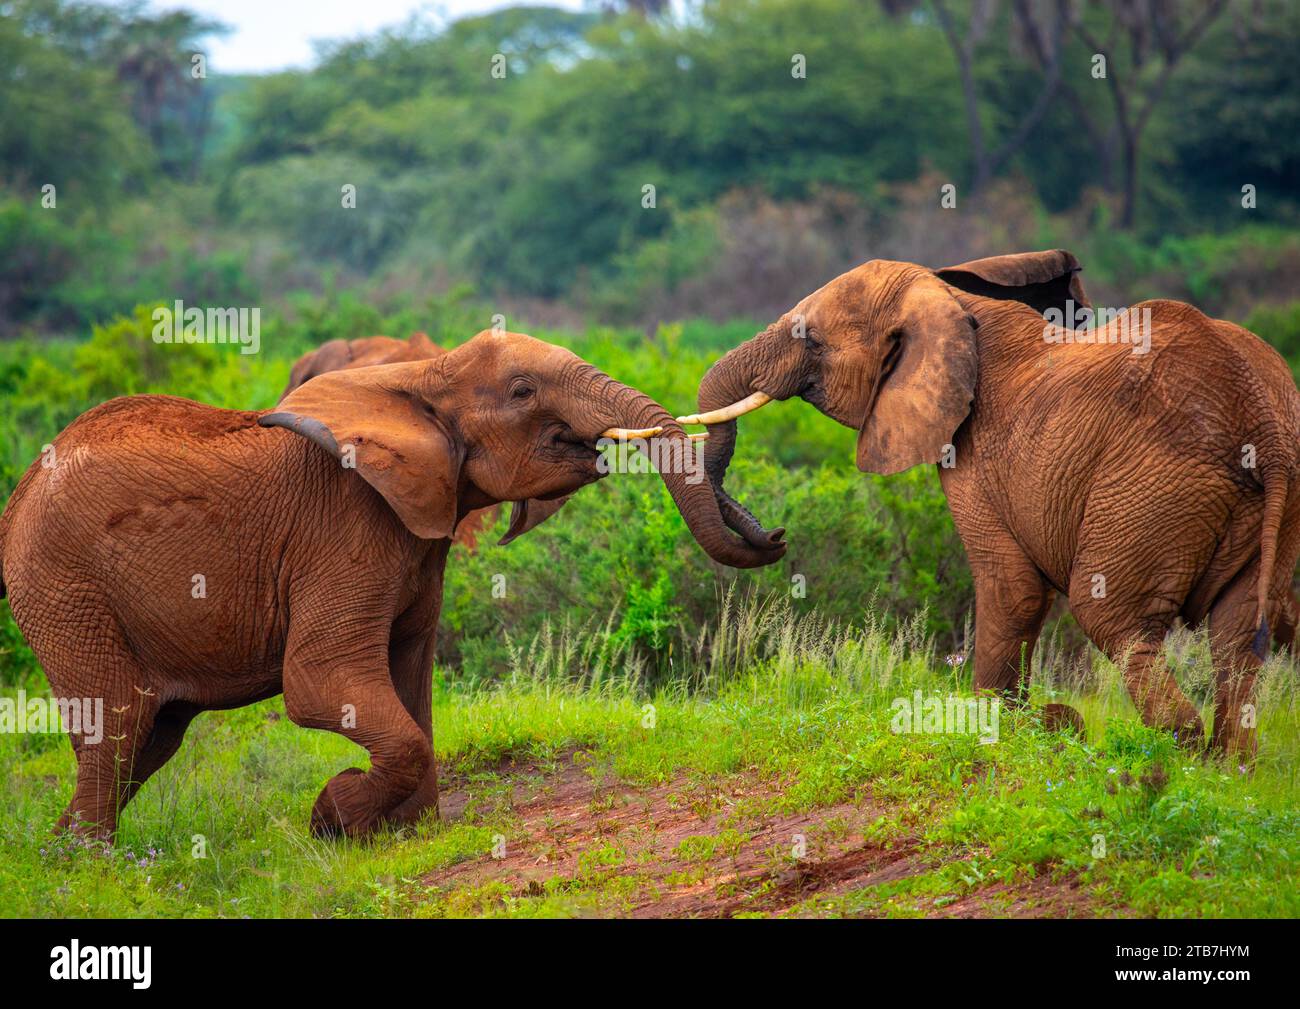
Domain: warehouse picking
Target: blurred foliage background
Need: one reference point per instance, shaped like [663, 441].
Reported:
[524, 195]
[528, 187]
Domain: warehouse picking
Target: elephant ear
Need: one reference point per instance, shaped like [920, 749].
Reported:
[375, 420]
[422, 346]
[329, 356]
[1041, 280]
[529, 514]
[926, 385]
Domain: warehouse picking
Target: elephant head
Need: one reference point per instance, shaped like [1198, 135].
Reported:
[886, 349]
[504, 417]
[368, 351]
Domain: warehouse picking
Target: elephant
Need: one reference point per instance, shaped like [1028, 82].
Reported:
[362, 353]
[1145, 486]
[170, 557]
[1284, 633]
[368, 351]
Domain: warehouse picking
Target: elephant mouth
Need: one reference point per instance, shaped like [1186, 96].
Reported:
[586, 453]
[581, 453]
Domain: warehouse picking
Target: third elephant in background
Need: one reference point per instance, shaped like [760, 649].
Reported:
[1148, 476]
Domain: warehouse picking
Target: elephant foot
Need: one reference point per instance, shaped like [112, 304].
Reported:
[424, 799]
[1238, 745]
[1235, 735]
[1189, 730]
[344, 807]
[73, 823]
[1063, 718]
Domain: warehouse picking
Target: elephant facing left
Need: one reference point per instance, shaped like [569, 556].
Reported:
[169, 557]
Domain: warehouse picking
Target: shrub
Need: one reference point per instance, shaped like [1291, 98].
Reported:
[618, 555]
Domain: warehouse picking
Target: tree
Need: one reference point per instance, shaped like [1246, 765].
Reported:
[153, 56]
[63, 120]
[1142, 44]
[1047, 30]
[1251, 111]
[150, 55]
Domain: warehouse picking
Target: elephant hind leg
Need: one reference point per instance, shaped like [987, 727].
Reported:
[1237, 645]
[1127, 608]
[1288, 617]
[1132, 640]
[1156, 693]
[1235, 668]
[111, 769]
[1236, 664]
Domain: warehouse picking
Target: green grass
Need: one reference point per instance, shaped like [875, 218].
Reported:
[759, 711]
[798, 710]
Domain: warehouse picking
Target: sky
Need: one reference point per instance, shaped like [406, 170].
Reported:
[269, 35]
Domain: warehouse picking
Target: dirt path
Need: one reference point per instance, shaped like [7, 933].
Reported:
[696, 848]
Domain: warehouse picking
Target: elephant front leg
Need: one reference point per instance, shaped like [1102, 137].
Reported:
[411, 665]
[1012, 598]
[348, 691]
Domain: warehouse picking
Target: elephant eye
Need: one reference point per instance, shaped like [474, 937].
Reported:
[521, 392]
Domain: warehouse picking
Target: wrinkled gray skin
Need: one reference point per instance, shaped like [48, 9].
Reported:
[369, 351]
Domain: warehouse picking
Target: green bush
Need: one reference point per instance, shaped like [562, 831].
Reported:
[619, 553]
[37, 253]
[1279, 325]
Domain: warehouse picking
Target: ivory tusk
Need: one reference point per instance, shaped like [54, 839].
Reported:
[698, 437]
[627, 434]
[751, 402]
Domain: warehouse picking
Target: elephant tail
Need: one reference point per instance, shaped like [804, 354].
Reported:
[1275, 493]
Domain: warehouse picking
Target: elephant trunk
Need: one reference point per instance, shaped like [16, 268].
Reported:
[691, 492]
[730, 381]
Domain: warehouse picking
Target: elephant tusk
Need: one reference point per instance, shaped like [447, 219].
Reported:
[751, 402]
[627, 434]
[698, 437]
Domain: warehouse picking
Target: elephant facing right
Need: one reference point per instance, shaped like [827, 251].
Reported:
[1147, 476]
